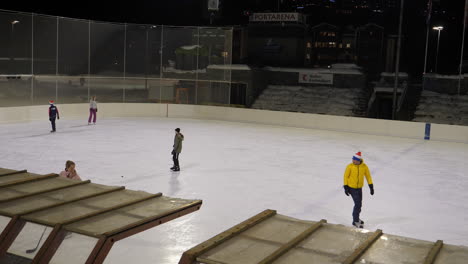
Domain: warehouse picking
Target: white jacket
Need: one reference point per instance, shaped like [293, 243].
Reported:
[93, 104]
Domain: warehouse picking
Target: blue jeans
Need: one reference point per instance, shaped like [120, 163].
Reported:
[357, 198]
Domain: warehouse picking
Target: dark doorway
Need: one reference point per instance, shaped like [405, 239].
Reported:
[238, 93]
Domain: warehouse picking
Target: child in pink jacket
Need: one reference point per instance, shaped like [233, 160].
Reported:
[70, 171]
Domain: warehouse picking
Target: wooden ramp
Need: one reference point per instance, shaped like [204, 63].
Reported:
[50, 219]
[272, 238]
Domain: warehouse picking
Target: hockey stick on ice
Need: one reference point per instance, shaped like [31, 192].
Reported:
[29, 251]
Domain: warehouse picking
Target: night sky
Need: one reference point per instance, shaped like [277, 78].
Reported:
[448, 13]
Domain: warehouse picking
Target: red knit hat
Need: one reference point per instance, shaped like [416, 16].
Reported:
[357, 156]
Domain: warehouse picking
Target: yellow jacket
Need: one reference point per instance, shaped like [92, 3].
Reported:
[354, 175]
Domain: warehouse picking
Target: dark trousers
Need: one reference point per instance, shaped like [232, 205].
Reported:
[175, 158]
[92, 114]
[357, 198]
[52, 121]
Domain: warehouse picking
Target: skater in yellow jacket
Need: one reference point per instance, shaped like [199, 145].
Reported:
[353, 183]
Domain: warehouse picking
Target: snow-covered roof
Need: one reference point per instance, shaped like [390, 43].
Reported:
[441, 76]
[332, 70]
[191, 47]
[392, 74]
[238, 67]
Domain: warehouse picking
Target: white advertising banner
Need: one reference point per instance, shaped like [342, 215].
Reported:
[315, 77]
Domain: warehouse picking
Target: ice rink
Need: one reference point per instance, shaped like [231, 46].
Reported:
[240, 169]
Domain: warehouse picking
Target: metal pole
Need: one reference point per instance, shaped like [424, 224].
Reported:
[381, 60]
[427, 47]
[56, 60]
[397, 67]
[89, 57]
[356, 51]
[161, 47]
[437, 54]
[32, 58]
[196, 71]
[12, 43]
[125, 61]
[462, 48]
[230, 62]
[146, 57]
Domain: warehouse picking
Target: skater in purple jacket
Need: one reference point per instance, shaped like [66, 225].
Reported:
[92, 110]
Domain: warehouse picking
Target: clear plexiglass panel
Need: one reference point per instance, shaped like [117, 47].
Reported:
[4, 220]
[396, 249]
[74, 249]
[30, 240]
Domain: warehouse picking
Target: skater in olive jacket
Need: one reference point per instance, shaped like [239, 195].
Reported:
[177, 149]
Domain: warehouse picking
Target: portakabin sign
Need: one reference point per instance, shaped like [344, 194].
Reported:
[275, 17]
[318, 78]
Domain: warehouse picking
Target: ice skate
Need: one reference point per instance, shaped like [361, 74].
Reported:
[358, 225]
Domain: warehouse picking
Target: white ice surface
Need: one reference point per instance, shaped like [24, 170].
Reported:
[239, 169]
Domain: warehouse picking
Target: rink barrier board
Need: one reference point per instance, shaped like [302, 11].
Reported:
[91, 214]
[431, 257]
[21, 219]
[27, 180]
[13, 172]
[55, 238]
[191, 255]
[119, 233]
[430, 250]
[43, 191]
[60, 203]
[106, 241]
[135, 228]
[365, 126]
[363, 247]
[292, 243]
[24, 214]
